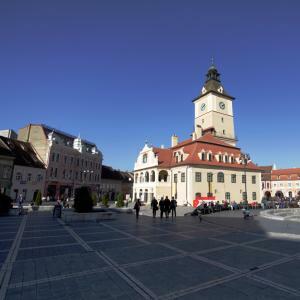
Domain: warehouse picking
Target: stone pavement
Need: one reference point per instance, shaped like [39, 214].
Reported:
[223, 257]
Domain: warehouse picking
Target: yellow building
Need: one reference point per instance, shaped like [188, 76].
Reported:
[207, 164]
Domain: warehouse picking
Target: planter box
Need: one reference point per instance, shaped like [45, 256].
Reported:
[70, 217]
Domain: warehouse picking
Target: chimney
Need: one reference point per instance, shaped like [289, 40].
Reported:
[194, 136]
[174, 140]
[198, 131]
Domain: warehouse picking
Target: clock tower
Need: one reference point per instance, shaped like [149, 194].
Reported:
[214, 109]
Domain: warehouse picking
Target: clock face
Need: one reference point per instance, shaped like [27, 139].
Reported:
[203, 106]
[222, 105]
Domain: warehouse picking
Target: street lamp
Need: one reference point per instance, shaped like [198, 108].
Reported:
[245, 157]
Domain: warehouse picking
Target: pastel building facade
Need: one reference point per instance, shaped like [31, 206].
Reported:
[70, 161]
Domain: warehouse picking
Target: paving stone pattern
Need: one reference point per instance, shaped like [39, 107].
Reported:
[223, 257]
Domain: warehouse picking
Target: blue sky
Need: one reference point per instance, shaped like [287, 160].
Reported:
[122, 72]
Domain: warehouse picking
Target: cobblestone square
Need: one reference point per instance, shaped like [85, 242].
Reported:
[223, 257]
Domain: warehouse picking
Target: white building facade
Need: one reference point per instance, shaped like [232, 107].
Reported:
[207, 165]
[284, 182]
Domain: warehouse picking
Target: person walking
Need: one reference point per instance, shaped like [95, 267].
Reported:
[167, 206]
[154, 206]
[137, 207]
[173, 206]
[57, 209]
[161, 206]
[20, 203]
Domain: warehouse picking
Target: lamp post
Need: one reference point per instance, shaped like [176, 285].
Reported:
[245, 157]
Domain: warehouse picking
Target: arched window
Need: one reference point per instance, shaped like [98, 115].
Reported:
[163, 176]
[147, 177]
[226, 158]
[152, 176]
[209, 157]
[203, 155]
[141, 177]
[145, 157]
[136, 177]
[220, 177]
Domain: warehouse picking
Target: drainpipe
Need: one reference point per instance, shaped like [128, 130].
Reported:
[186, 185]
[171, 184]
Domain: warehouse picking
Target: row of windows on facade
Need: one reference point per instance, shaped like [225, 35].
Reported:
[76, 176]
[5, 171]
[179, 157]
[163, 176]
[289, 184]
[55, 158]
[227, 195]
[28, 178]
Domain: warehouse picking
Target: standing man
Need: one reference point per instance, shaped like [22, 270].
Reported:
[173, 206]
[154, 206]
[161, 206]
[167, 206]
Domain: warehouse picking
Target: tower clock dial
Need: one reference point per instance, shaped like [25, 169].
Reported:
[203, 105]
[222, 105]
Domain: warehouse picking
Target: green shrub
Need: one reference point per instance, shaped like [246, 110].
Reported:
[38, 199]
[95, 198]
[83, 201]
[120, 200]
[105, 199]
[5, 203]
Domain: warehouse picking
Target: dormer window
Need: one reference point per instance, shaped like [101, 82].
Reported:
[203, 90]
[209, 157]
[145, 157]
[203, 155]
[220, 89]
[226, 158]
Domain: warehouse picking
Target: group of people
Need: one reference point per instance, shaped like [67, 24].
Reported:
[165, 205]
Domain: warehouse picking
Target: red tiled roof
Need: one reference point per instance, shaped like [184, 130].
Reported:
[208, 143]
[286, 171]
[286, 174]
